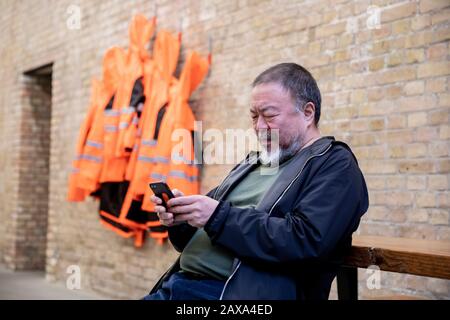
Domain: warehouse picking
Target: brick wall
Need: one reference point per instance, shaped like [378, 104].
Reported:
[385, 92]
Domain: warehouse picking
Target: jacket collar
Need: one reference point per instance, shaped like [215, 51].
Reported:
[281, 183]
[292, 170]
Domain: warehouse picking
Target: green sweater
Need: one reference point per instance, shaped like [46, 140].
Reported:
[200, 256]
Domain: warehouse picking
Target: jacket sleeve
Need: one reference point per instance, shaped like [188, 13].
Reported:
[180, 235]
[323, 215]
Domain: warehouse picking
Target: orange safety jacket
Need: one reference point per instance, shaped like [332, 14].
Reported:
[89, 159]
[130, 94]
[157, 79]
[176, 158]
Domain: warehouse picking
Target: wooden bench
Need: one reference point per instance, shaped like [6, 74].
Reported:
[417, 257]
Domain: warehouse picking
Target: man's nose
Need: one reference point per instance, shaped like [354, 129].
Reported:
[261, 123]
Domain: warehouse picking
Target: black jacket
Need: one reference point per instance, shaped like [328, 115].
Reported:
[291, 244]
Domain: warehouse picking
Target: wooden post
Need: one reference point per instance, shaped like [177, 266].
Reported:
[347, 283]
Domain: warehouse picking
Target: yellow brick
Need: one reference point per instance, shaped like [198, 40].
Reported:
[444, 166]
[439, 148]
[359, 125]
[402, 26]
[435, 85]
[416, 150]
[416, 166]
[377, 152]
[416, 183]
[380, 47]
[428, 5]
[439, 217]
[379, 167]
[342, 69]
[383, 32]
[377, 124]
[375, 94]
[376, 183]
[414, 56]
[433, 69]
[438, 116]
[426, 134]
[343, 113]
[376, 64]
[314, 47]
[396, 122]
[398, 151]
[358, 96]
[444, 100]
[438, 182]
[444, 131]
[414, 88]
[344, 40]
[373, 109]
[395, 75]
[393, 92]
[440, 16]
[420, 22]
[343, 125]
[437, 52]
[438, 35]
[395, 58]
[417, 103]
[398, 11]
[426, 200]
[418, 215]
[378, 212]
[418, 39]
[403, 136]
[395, 182]
[330, 30]
[398, 198]
[417, 119]
[363, 139]
[443, 200]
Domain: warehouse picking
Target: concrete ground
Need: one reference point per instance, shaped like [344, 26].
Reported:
[31, 285]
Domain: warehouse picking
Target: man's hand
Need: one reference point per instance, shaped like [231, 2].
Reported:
[166, 218]
[195, 210]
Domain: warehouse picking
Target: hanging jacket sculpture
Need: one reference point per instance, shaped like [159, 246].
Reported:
[125, 141]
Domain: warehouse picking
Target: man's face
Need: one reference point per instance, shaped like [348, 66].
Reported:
[272, 107]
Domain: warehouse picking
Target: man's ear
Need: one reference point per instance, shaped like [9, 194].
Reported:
[309, 111]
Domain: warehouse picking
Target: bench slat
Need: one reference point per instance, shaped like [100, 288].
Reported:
[412, 256]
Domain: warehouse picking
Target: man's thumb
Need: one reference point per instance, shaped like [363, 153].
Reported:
[177, 193]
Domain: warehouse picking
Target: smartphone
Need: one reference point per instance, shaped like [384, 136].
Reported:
[162, 191]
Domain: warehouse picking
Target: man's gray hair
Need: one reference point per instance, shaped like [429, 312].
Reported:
[297, 81]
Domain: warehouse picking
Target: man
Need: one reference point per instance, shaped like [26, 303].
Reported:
[279, 236]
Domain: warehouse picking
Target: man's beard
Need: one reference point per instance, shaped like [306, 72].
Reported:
[281, 153]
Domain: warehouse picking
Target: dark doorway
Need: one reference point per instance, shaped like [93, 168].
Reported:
[34, 163]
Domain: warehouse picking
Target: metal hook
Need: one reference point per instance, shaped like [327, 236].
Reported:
[155, 9]
[209, 48]
[209, 43]
[180, 26]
